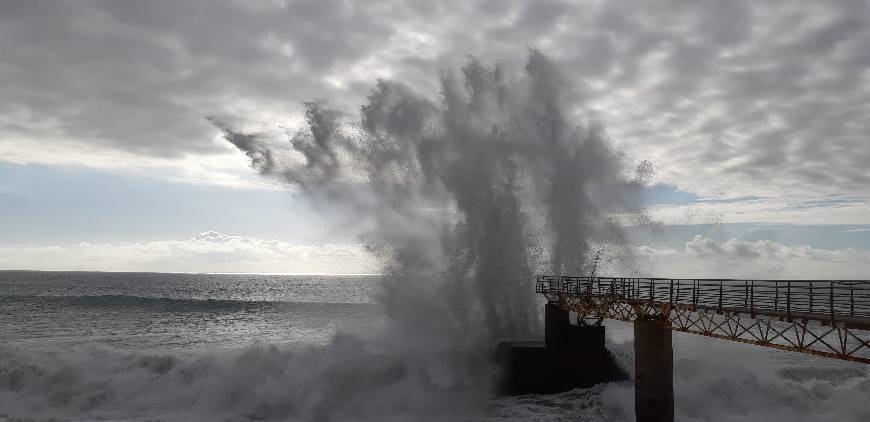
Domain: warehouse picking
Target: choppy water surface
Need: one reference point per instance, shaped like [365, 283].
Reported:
[130, 346]
[160, 311]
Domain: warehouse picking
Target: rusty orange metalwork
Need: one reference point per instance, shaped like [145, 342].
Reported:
[829, 318]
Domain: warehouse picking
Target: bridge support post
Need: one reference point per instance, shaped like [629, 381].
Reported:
[653, 372]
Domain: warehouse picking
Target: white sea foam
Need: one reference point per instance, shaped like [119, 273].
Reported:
[348, 380]
[345, 380]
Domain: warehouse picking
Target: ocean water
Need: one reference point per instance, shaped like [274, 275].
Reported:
[152, 347]
[186, 312]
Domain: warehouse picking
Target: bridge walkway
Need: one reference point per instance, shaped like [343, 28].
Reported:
[828, 318]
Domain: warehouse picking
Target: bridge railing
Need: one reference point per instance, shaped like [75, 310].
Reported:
[830, 301]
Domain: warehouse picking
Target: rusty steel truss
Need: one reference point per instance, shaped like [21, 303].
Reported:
[828, 318]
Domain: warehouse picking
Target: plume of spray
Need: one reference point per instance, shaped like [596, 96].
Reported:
[465, 196]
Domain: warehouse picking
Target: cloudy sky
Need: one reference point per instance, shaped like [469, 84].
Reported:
[755, 116]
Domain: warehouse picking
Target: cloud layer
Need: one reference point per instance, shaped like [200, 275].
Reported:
[207, 252]
[729, 98]
[848, 210]
[703, 257]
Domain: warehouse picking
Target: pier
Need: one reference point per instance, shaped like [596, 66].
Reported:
[829, 318]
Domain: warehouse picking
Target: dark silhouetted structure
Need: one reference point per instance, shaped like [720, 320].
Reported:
[570, 356]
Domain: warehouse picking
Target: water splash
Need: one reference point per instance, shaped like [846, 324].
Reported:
[464, 197]
[468, 194]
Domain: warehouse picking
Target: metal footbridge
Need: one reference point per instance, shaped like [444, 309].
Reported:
[828, 318]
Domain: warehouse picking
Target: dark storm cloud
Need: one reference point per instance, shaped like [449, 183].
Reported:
[728, 98]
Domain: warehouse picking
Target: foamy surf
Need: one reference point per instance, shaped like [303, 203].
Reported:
[347, 380]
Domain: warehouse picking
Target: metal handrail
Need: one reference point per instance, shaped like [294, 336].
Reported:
[830, 301]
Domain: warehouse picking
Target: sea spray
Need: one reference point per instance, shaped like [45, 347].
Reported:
[464, 196]
[468, 194]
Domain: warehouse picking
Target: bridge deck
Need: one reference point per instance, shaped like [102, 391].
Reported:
[821, 317]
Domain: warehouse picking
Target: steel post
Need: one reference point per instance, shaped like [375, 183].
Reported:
[653, 372]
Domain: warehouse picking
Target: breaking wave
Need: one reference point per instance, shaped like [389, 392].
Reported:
[346, 380]
[352, 380]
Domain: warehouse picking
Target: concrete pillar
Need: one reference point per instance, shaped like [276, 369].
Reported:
[653, 372]
[557, 327]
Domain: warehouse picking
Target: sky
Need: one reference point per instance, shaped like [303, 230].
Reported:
[753, 113]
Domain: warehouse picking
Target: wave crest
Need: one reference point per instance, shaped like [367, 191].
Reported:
[346, 380]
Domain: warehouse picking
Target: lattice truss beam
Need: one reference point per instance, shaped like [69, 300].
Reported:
[811, 337]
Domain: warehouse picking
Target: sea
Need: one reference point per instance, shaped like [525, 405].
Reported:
[81, 346]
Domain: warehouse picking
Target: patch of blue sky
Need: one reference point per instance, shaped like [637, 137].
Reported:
[58, 205]
[662, 194]
[667, 194]
[832, 202]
